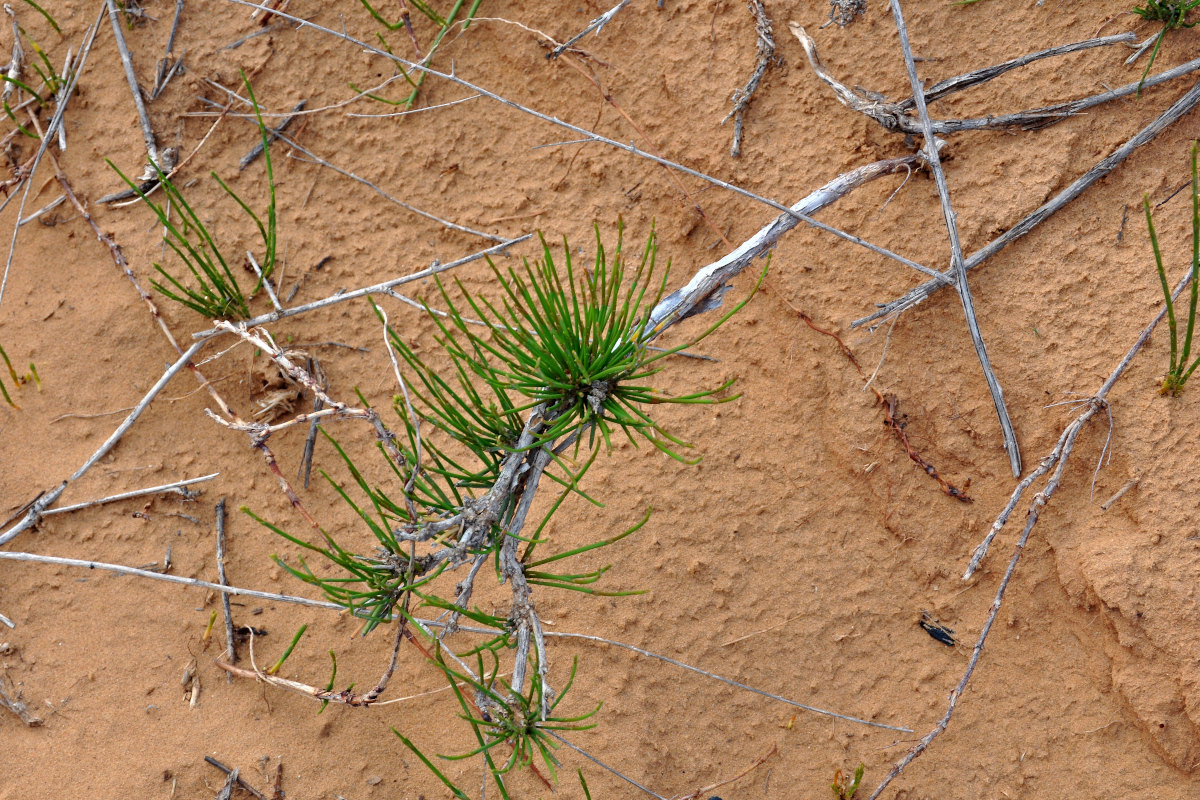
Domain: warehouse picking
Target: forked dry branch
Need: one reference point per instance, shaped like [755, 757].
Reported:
[1175, 112]
[1056, 460]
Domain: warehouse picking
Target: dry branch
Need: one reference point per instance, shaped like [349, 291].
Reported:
[135, 90]
[176, 487]
[766, 51]
[956, 254]
[230, 643]
[36, 558]
[596, 25]
[14, 704]
[893, 116]
[711, 281]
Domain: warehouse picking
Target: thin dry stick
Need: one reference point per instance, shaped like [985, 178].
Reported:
[230, 649]
[600, 763]
[956, 254]
[894, 116]
[706, 789]
[1124, 490]
[134, 88]
[1057, 460]
[235, 777]
[714, 676]
[121, 569]
[378, 288]
[921, 293]
[975, 77]
[272, 135]
[707, 282]
[14, 704]
[591, 137]
[175, 487]
[741, 98]
[49, 496]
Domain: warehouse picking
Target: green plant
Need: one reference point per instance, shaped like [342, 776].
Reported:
[52, 83]
[18, 380]
[574, 344]
[1172, 14]
[559, 354]
[499, 715]
[215, 293]
[1180, 368]
[444, 24]
[844, 787]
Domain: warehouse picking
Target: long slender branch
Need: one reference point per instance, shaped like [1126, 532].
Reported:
[166, 487]
[36, 558]
[975, 77]
[275, 316]
[708, 280]
[926, 290]
[956, 254]
[894, 116]
[134, 88]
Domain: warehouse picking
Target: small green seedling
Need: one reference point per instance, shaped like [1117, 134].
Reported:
[844, 788]
[1180, 369]
[17, 379]
[1172, 14]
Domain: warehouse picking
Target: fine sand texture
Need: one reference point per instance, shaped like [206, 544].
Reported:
[814, 550]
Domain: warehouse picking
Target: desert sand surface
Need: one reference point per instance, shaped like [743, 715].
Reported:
[798, 557]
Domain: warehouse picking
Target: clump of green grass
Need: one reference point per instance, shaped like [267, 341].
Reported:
[499, 716]
[1180, 367]
[575, 340]
[51, 82]
[1172, 14]
[214, 291]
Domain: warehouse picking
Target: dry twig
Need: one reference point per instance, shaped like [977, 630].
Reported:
[230, 643]
[766, 51]
[12, 701]
[596, 25]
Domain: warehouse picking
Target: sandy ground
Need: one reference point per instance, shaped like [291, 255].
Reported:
[797, 557]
